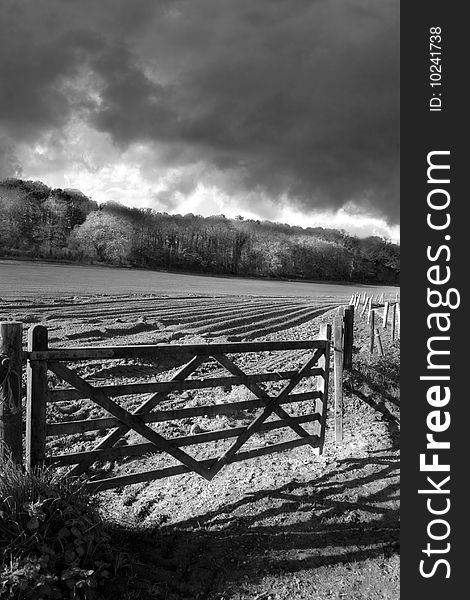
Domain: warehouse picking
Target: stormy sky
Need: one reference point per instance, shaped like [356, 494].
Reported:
[275, 109]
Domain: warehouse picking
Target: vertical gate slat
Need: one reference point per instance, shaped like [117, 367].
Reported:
[322, 384]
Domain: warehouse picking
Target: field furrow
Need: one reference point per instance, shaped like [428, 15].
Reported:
[264, 327]
[214, 322]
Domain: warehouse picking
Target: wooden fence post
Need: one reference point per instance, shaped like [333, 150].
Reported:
[393, 318]
[338, 376]
[364, 308]
[370, 310]
[11, 362]
[385, 317]
[379, 343]
[372, 332]
[321, 405]
[36, 399]
[348, 336]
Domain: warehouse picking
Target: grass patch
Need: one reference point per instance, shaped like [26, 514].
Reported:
[53, 540]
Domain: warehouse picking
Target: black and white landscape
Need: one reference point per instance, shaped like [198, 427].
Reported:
[214, 172]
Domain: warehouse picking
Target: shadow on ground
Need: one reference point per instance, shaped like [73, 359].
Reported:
[326, 532]
[348, 514]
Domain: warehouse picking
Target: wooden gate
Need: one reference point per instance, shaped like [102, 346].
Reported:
[41, 359]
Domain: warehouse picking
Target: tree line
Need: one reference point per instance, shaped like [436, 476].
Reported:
[40, 222]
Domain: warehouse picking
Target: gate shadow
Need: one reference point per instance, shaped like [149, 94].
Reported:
[349, 514]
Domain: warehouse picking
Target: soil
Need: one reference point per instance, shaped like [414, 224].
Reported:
[291, 525]
[288, 526]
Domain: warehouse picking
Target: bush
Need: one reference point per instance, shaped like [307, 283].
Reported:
[53, 541]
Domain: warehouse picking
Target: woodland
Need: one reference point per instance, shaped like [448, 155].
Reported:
[38, 222]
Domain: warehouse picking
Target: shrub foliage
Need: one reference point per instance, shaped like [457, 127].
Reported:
[53, 540]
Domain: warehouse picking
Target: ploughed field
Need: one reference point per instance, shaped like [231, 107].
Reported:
[100, 319]
[290, 525]
[114, 320]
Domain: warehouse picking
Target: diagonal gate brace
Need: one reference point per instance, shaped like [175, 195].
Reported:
[132, 421]
[272, 404]
[261, 394]
[109, 440]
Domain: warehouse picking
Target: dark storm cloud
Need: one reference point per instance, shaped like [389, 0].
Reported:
[299, 98]
[9, 164]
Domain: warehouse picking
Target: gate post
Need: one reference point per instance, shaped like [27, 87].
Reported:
[321, 405]
[36, 399]
[11, 355]
[338, 375]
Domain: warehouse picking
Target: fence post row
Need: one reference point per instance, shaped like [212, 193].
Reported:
[36, 381]
[11, 354]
